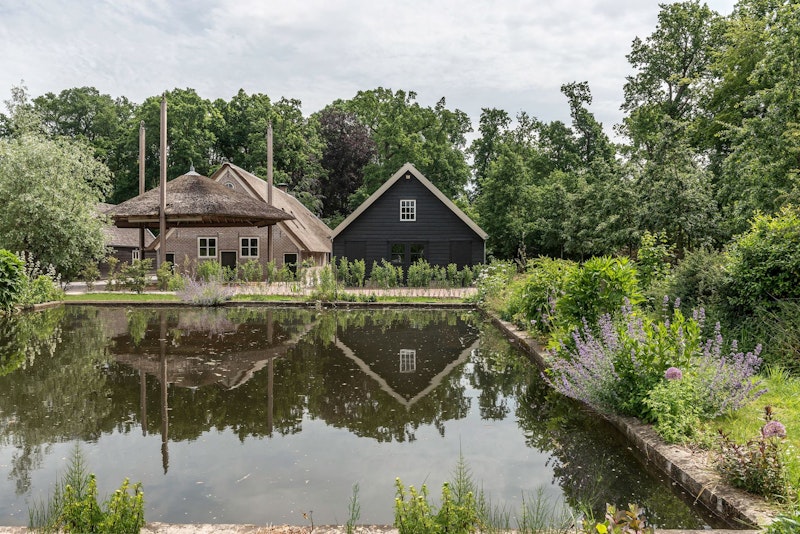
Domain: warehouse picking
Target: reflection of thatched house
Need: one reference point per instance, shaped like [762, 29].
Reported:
[203, 347]
[124, 243]
[295, 240]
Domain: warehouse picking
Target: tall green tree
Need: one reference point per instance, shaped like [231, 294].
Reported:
[761, 172]
[50, 190]
[432, 138]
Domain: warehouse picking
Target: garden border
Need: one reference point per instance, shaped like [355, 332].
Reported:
[691, 471]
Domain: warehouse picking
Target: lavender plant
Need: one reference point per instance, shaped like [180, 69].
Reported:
[211, 293]
[657, 370]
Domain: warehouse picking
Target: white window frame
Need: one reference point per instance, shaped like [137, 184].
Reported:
[408, 209]
[248, 248]
[408, 360]
[208, 247]
[135, 255]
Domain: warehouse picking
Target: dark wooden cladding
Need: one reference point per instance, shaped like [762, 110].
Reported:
[446, 237]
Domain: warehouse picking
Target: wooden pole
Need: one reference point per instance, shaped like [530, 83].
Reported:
[141, 184]
[269, 190]
[162, 215]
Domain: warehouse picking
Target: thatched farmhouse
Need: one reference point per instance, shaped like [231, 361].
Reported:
[123, 243]
[302, 236]
[407, 219]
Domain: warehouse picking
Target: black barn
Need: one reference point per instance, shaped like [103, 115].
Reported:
[408, 218]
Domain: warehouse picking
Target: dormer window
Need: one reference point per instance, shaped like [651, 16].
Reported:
[408, 210]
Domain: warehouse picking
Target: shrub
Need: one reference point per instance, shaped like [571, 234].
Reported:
[113, 265]
[40, 289]
[209, 270]
[385, 275]
[90, 274]
[630, 521]
[73, 507]
[420, 274]
[543, 285]
[601, 285]
[621, 366]
[758, 465]
[653, 258]
[211, 293]
[358, 271]
[164, 275]
[12, 278]
[414, 514]
[134, 276]
[252, 271]
[764, 263]
[697, 280]
[343, 271]
[673, 409]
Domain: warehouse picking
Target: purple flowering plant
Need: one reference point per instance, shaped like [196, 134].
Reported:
[617, 364]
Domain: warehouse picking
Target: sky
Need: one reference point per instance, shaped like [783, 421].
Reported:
[507, 54]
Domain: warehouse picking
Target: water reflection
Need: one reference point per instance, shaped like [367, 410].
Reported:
[401, 390]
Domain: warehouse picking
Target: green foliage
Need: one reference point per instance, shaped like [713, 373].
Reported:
[385, 275]
[674, 410]
[51, 213]
[12, 279]
[788, 523]
[536, 297]
[601, 285]
[40, 289]
[73, 506]
[358, 270]
[764, 263]
[758, 466]
[164, 275]
[251, 271]
[414, 514]
[420, 274]
[697, 280]
[90, 274]
[630, 521]
[209, 270]
[134, 277]
[326, 287]
[652, 258]
[354, 511]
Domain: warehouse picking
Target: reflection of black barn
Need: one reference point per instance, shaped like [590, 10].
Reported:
[408, 218]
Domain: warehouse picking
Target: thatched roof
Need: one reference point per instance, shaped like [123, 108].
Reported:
[123, 237]
[196, 201]
[306, 230]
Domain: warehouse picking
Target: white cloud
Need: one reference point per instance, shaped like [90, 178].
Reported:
[513, 54]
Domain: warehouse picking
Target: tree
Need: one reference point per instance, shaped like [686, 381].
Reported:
[50, 190]
[432, 139]
[761, 172]
[673, 69]
[348, 149]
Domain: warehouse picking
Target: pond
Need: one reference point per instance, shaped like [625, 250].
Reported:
[261, 415]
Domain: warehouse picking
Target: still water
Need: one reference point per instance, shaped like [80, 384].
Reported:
[262, 415]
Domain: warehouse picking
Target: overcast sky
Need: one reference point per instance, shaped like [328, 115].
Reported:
[509, 54]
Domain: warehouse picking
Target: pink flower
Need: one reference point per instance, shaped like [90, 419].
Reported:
[774, 429]
[673, 373]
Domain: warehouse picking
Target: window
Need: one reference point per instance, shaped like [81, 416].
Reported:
[408, 360]
[408, 210]
[135, 254]
[417, 252]
[398, 253]
[249, 247]
[229, 185]
[206, 247]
